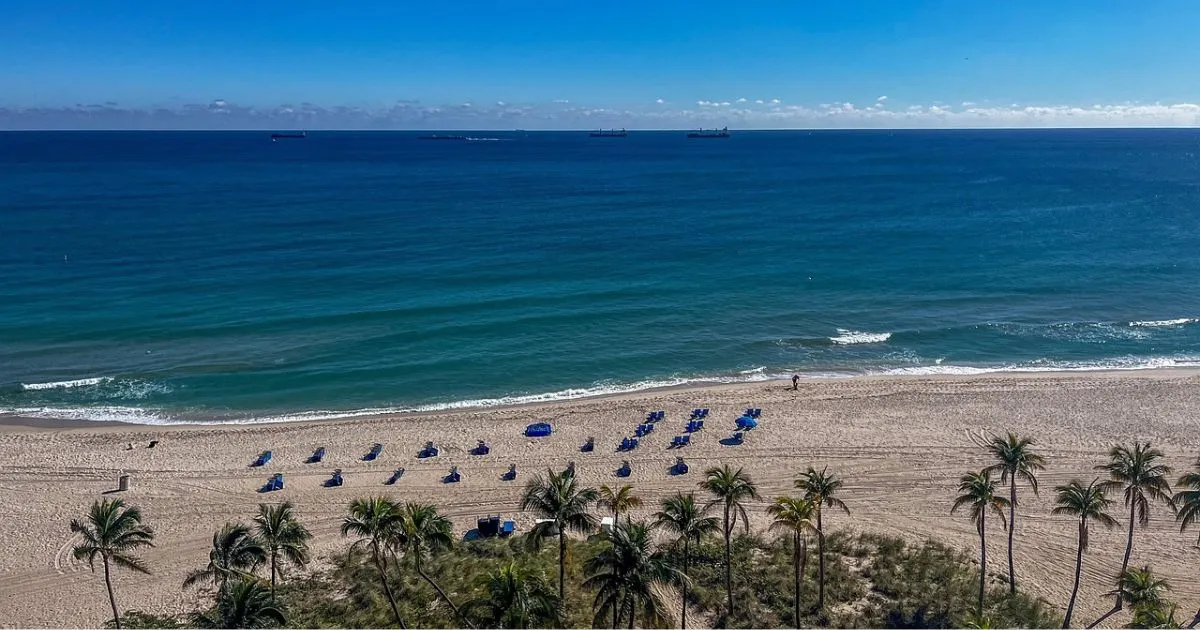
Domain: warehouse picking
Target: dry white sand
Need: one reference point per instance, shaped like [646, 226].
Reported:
[901, 444]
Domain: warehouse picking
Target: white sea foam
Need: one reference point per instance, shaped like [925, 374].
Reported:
[1164, 323]
[851, 337]
[1120, 364]
[137, 415]
[132, 415]
[758, 370]
[82, 382]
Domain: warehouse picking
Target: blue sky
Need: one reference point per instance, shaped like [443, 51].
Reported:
[377, 63]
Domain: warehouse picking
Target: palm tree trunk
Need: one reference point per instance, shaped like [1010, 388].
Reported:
[1128, 549]
[982, 561]
[821, 564]
[683, 615]
[803, 567]
[796, 577]
[1118, 605]
[440, 592]
[273, 555]
[728, 565]
[616, 613]
[632, 611]
[1012, 522]
[562, 565]
[112, 599]
[387, 589]
[1078, 569]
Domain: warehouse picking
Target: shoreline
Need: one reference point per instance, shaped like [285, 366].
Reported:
[18, 421]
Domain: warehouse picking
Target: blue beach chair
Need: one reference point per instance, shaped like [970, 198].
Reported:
[336, 480]
[395, 477]
[273, 484]
[373, 454]
[625, 470]
[735, 440]
[680, 467]
[507, 528]
[262, 459]
[511, 474]
[317, 456]
[454, 476]
[481, 448]
[588, 446]
[429, 451]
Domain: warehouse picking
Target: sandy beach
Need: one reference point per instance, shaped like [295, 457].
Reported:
[900, 442]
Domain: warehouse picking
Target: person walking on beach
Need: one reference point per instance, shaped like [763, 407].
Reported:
[795, 382]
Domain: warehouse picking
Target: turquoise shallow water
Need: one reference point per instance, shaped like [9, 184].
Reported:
[157, 277]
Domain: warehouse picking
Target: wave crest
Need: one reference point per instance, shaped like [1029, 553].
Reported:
[851, 337]
[81, 382]
[1164, 323]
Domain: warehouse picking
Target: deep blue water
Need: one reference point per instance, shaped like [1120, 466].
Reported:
[222, 276]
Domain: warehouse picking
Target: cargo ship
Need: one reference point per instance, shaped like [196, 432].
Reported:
[709, 133]
[279, 136]
[609, 133]
[437, 137]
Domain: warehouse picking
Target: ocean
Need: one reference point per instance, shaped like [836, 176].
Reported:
[161, 277]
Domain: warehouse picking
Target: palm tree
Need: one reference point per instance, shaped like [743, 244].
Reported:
[1139, 473]
[236, 552]
[112, 532]
[242, 604]
[627, 576]
[1089, 504]
[730, 488]
[375, 521]
[282, 535]
[1188, 501]
[422, 530]
[558, 498]
[516, 599]
[1160, 616]
[1140, 589]
[686, 521]
[979, 492]
[1015, 460]
[821, 488]
[621, 500]
[796, 516]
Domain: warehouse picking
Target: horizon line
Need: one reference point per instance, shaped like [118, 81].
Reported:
[628, 129]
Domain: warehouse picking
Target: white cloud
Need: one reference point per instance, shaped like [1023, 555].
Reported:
[221, 114]
[561, 101]
[881, 99]
[500, 103]
[741, 100]
[758, 102]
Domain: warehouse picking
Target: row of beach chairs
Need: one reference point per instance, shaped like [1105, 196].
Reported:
[538, 429]
[337, 480]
